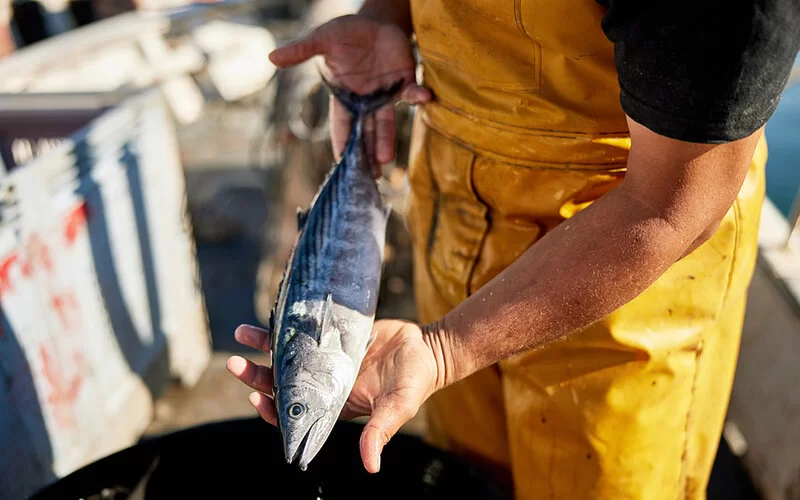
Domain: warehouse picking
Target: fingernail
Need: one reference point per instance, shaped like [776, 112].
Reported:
[243, 334]
[254, 398]
[236, 365]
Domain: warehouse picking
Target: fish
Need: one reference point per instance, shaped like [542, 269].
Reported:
[321, 323]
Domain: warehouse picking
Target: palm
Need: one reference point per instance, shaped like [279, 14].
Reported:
[397, 375]
[362, 55]
[396, 372]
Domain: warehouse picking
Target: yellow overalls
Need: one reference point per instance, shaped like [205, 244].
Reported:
[525, 130]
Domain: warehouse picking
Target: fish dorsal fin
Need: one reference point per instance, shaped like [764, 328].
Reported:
[302, 216]
[329, 336]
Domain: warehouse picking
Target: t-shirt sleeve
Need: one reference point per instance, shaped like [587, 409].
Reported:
[708, 71]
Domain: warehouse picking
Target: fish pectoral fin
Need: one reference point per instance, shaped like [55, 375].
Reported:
[329, 336]
[371, 340]
[302, 216]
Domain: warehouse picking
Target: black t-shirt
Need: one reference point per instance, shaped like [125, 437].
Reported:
[707, 71]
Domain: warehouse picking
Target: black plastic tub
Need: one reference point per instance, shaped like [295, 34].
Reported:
[244, 459]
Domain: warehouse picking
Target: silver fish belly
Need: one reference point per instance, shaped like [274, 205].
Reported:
[322, 321]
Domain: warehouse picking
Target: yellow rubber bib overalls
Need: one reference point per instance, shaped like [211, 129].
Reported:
[525, 130]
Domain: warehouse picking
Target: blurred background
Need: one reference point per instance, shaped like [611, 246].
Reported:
[151, 163]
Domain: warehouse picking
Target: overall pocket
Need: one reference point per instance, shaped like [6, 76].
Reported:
[475, 44]
[444, 215]
[568, 27]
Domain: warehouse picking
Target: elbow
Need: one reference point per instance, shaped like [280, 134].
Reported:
[688, 236]
[689, 233]
[679, 223]
[699, 221]
[709, 231]
[673, 231]
[703, 237]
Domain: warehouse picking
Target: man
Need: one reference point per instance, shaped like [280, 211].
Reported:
[586, 182]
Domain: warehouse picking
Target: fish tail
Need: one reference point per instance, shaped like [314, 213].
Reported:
[361, 106]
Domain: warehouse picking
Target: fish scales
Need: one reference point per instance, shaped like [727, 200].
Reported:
[322, 320]
[341, 259]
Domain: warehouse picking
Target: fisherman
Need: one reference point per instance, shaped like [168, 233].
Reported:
[586, 179]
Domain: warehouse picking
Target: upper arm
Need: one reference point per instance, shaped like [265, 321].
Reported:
[698, 81]
[690, 185]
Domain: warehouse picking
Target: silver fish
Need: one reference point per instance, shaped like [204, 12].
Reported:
[323, 316]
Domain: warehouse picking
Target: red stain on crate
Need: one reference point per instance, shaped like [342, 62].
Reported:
[75, 221]
[26, 268]
[39, 253]
[57, 303]
[64, 392]
[5, 271]
[65, 305]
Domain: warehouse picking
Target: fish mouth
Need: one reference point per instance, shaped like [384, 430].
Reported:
[292, 453]
[311, 443]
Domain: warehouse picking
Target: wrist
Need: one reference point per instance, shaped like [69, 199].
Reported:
[450, 360]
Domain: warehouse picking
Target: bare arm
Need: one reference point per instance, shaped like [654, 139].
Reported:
[673, 198]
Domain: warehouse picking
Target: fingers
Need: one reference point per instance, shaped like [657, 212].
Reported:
[379, 133]
[386, 420]
[341, 121]
[415, 94]
[256, 376]
[254, 337]
[369, 144]
[297, 51]
[385, 120]
[265, 407]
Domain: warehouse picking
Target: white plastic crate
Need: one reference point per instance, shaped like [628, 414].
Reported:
[100, 300]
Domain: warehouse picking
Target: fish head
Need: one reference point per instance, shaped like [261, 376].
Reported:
[311, 393]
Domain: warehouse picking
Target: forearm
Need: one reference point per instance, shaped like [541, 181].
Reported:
[673, 198]
[389, 11]
[577, 274]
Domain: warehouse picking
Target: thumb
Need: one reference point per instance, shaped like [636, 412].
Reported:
[387, 418]
[298, 51]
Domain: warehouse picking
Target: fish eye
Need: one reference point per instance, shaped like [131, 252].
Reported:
[297, 410]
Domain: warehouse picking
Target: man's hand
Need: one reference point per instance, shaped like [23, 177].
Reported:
[362, 55]
[397, 375]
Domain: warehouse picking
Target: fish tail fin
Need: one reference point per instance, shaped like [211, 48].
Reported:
[361, 106]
